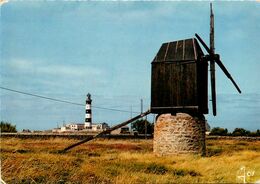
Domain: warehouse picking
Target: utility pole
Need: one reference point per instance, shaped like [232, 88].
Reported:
[141, 105]
[131, 109]
[131, 114]
[145, 122]
[145, 131]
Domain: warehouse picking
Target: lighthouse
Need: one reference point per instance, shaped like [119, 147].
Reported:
[88, 117]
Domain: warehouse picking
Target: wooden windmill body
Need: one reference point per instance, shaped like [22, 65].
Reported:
[179, 79]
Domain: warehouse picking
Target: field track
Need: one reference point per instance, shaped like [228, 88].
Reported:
[119, 136]
[71, 135]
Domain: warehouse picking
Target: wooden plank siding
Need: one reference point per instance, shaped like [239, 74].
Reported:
[179, 79]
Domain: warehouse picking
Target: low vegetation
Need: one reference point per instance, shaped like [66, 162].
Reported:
[141, 125]
[7, 127]
[124, 161]
[236, 132]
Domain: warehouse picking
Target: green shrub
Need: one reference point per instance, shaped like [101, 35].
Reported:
[240, 132]
[139, 126]
[7, 127]
[254, 134]
[219, 131]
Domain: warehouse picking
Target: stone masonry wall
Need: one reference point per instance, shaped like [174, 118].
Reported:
[178, 134]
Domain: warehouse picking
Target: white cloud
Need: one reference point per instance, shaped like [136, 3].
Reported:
[136, 11]
[53, 78]
[45, 68]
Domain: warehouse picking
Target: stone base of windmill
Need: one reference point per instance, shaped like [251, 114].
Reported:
[179, 134]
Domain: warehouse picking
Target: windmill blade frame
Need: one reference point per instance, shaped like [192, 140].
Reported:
[223, 68]
[212, 57]
[212, 63]
[216, 59]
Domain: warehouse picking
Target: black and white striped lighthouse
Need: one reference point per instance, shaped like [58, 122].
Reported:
[88, 117]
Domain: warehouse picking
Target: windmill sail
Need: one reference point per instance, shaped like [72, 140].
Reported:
[212, 57]
[212, 63]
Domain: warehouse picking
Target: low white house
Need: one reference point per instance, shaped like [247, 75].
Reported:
[100, 127]
[81, 127]
[76, 126]
[64, 129]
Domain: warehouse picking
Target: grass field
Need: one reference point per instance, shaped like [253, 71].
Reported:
[124, 161]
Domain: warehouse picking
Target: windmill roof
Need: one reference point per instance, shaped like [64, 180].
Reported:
[181, 50]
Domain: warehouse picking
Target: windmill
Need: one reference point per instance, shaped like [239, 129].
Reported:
[180, 73]
[180, 80]
[214, 58]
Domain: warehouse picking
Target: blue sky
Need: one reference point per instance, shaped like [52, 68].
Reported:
[66, 49]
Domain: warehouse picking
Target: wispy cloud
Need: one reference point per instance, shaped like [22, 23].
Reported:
[235, 110]
[44, 68]
[52, 78]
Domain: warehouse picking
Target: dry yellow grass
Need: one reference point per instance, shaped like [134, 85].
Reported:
[124, 161]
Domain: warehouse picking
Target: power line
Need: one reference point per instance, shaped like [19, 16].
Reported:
[39, 96]
[62, 101]
[111, 109]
